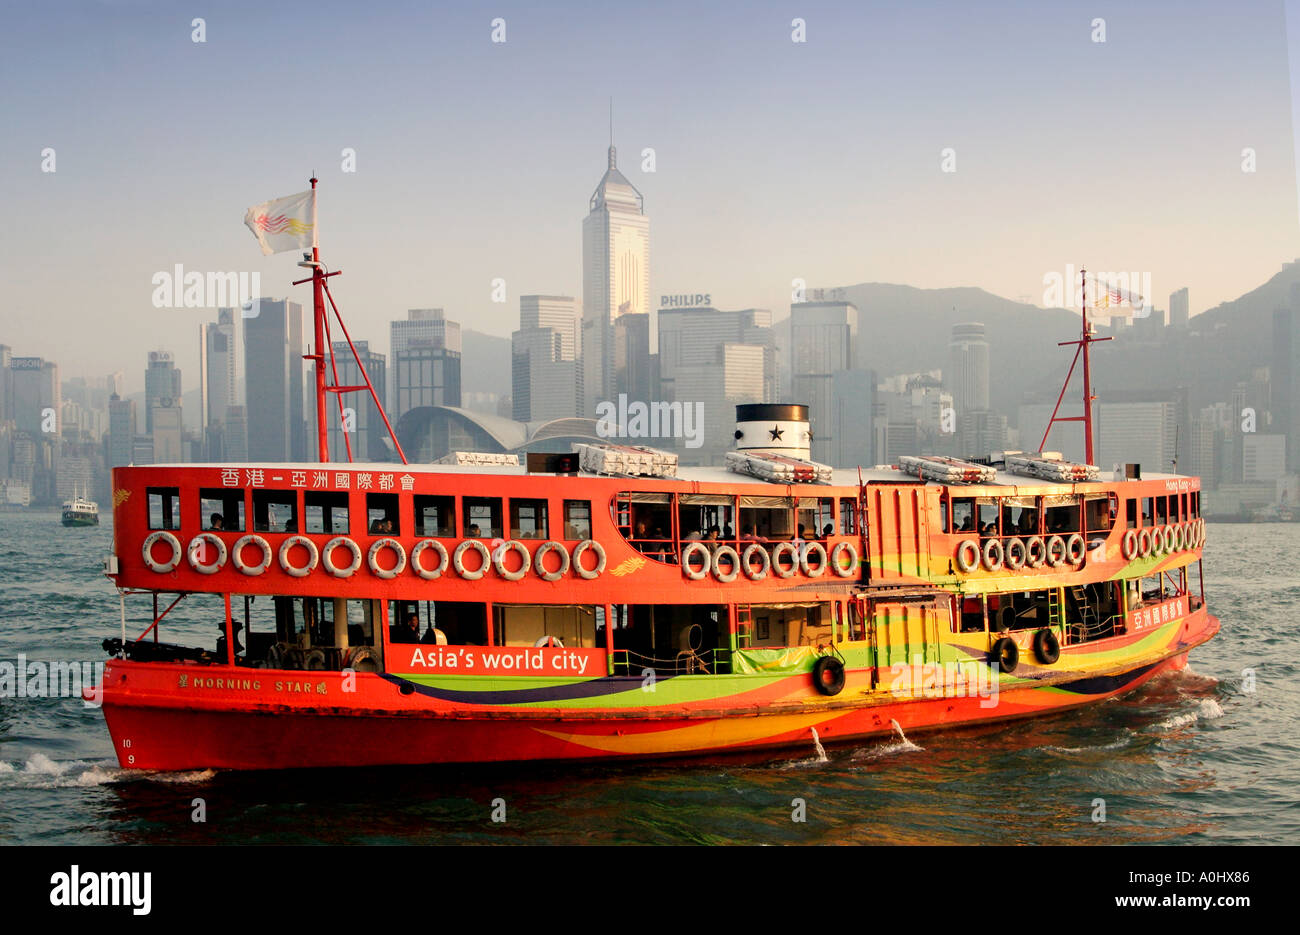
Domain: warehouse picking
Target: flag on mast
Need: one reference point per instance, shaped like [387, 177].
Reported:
[284, 223]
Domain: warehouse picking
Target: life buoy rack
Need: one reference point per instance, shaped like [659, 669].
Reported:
[196, 546]
[806, 566]
[1005, 653]
[458, 559]
[765, 561]
[732, 556]
[372, 557]
[298, 571]
[1035, 551]
[237, 554]
[968, 555]
[1075, 549]
[780, 570]
[992, 554]
[849, 570]
[499, 560]
[314, 659]
[539, 565]
[327, 557]
[548, 641]
[361, 659]
[161, 568]
[1144, 543]
[578, 552]
[429, 574]
[1055, 551]
[1015, 554]
[1047, 647]
[1130, 545]
[696, 574]
[828, 675]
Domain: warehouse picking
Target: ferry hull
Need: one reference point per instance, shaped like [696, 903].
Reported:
[160, 728]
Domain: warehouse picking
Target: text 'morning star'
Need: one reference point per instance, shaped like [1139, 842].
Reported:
[776, 433]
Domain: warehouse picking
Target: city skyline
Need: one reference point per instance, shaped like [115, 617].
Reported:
[757, 181]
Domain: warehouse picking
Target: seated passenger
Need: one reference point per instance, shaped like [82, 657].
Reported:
[409, 632]
[827, 530]
[216, 521]
[474, 532]
[747, 534]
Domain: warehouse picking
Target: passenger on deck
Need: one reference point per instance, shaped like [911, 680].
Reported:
[474, 532]
[408, 632]
[640, 533]
[747, 534]
[216, 521]
[827, 530]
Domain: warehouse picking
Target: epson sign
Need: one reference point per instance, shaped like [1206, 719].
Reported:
[685, 301]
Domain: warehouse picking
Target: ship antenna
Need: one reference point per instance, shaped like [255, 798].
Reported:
[321, 292]
[1086, 339]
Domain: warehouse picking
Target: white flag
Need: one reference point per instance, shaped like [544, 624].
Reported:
[283, 223]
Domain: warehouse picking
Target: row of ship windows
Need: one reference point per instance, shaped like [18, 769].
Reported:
[1031, 516]
[330, 513]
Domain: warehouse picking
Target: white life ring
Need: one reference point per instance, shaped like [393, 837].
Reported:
[1158, 541]
[752, 573]
[426, 573]
[372, 556]
[1130, 547]
[1055, 551]
[327, 557]
[237, 554]
[539, 565]
[1200, 533]
[992, 554]
[582, 547]
[806, 566]
[1035, 551]
[730, 555]
[545, 641]
[196, 546]
[780, 570]
[458, 559]
[1016, 554]
[287, 546]
[1144, 543]
[696, 574]
[162, 567]
[499, 562]
[1075, 548]
[968, 555]
[849, 570]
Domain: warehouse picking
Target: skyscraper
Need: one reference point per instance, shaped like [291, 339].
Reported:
[968, 374]
[162, 380]
[1179, 310]
[121, 430]
[425, 362]
[823, 336]
[544, 363]
[274, 381]
[615, 276]
[35, 393]
[220, 368]
[1285, 378]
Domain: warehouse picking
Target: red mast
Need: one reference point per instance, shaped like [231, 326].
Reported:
[321, 291]
[1086, 339]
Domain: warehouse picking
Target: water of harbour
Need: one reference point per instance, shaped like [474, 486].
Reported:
[1202, 756]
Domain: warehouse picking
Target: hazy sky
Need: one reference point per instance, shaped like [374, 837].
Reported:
[774, 159]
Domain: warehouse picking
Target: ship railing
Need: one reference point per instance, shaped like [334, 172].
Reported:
[686, 662]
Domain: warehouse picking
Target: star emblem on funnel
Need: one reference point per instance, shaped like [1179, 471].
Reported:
[776, 433]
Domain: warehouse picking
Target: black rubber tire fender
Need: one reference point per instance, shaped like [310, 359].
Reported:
[828, 675]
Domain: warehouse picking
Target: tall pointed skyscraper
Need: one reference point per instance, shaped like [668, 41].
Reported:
[615, 276]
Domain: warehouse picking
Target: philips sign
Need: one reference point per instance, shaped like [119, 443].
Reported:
[685, 301]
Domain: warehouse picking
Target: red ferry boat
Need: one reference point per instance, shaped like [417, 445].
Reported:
[605, 604]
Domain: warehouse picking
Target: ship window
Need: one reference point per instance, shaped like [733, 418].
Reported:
[817, 517]
[766, 518]
[381, 514]
[221, 509]
[326, 512]
[676, 639]
[963, 515]
[438, 623]
[987, 516]
[1196, 504]
[482, 517]
[972, 615]
[1130, 513]
[706, 516]
[528, 519]
[1148, 510]
[848, 516]
[1016, 610]
[1162, 510]
[646, 521]
[164, 507]
[1097, 513]
[1019, 516]
[785, 625]
[577, 519]
[572, 625]
[275, 510]
[435, 516]
[1061, 515]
